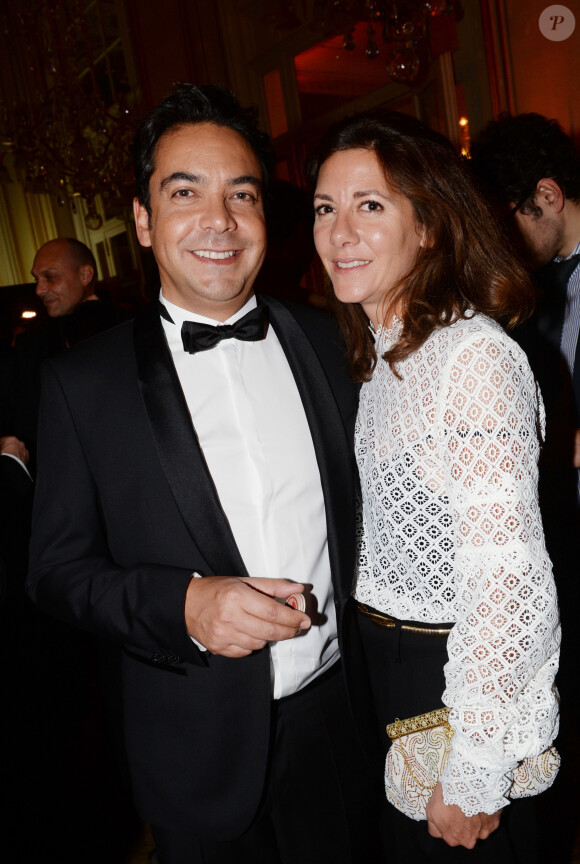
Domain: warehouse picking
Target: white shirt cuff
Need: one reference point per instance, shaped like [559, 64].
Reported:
[20, 462]
[195, 642]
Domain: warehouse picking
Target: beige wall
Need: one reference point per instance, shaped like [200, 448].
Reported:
[546, 74]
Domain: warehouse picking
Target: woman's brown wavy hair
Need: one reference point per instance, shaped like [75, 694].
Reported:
[466, 264]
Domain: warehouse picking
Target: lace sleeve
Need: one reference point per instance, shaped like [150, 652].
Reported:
[503, 650]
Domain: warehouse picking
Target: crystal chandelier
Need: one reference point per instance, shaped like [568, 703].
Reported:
[398, 31]
[68, 133]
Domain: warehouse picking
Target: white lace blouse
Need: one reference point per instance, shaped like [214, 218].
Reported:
[451, 531]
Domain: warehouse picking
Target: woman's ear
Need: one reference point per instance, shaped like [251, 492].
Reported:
[424, 239]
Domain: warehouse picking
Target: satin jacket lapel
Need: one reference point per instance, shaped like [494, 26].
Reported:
[334, 452]
[178, 448]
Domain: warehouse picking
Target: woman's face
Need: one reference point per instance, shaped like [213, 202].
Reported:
[365, 233]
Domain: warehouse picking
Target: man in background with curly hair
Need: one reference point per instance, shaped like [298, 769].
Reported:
[531, 170]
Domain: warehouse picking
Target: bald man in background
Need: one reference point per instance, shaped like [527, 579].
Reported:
[65, 272]
[58, 719]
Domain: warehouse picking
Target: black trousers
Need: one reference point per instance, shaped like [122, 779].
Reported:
[320, 804]
[407, 679]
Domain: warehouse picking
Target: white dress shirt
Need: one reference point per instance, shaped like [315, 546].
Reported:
[252, 429]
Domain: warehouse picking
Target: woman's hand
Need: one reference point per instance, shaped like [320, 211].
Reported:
[449, 822]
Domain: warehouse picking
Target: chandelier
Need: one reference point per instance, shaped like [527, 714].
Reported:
[66, 124]
[399, 31]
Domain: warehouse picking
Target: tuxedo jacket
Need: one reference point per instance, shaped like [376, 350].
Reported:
[125, 510]
[48, 338]
[540, 337]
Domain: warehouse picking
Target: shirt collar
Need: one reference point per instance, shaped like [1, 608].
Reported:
[179, 314]
[574, 251]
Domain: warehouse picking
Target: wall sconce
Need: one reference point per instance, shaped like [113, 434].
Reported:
[464, 139]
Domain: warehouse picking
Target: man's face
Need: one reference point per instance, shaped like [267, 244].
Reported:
[207, 227]
[542, 235]
[59, 284]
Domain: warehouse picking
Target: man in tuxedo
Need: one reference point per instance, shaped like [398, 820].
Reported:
[195, 471]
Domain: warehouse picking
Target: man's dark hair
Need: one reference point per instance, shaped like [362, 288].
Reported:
[512, 154]
[189, 104]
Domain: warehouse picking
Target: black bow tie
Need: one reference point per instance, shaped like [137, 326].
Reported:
[200, 337]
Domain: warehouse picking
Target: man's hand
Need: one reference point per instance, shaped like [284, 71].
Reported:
[14, 447]
[449, 822]
[235, 616]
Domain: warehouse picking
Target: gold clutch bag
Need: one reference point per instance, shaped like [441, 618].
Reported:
[420, 751]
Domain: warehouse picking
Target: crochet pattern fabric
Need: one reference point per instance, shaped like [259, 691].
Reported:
[450, 530]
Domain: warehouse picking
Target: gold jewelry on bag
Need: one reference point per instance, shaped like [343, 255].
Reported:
[438, 717]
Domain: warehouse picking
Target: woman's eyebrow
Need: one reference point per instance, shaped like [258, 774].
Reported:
[364, 192]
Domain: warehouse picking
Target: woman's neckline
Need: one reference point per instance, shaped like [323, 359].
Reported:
[386, 331]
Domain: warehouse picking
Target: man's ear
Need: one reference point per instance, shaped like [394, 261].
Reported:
[142, 222]
[549, 195]
[86, 274]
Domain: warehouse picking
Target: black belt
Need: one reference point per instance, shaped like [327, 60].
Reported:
[389, 623]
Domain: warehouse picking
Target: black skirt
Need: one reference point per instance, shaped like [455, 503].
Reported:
[407, 678]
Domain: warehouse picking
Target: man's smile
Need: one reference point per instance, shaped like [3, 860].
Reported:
[214, 255]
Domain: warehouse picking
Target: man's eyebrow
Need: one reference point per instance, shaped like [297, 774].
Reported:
[245, 178]
[199, 180]
[184, 176]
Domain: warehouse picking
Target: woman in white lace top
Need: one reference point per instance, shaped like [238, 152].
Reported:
[447, 443]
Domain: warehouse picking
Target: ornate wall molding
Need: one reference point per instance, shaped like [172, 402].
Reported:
[498, 56]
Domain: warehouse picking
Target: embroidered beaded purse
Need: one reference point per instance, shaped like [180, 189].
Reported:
[420, 750]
